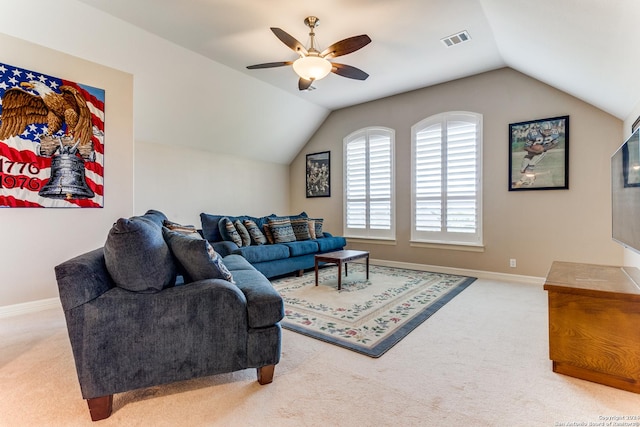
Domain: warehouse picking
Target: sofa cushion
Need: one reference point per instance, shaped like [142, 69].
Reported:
[281, 229]
[237, 262]
[210, 230]
[197, 257]
[263, 253]
[137, 257]
[328, 244]
[257, 237]
[302, 248]
[300, 228]
[243, 232]
[229, 231]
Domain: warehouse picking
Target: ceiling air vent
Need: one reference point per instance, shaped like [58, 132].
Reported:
[454, 39]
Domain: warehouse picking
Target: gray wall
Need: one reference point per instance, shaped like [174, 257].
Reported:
[534, 227]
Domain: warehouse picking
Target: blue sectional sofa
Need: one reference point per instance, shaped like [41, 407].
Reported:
[271, 259]
[154, 306]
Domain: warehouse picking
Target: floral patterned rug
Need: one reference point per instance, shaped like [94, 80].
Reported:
[367, 316]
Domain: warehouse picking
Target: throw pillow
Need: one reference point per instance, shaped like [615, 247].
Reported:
[300, 228]
[231, 231]
[184, 229]
[197, 257]
[281, 230]
[257, 238]
[137, 257]
[210, 229]
[318, 226]
[245, 237]
[268, 234]
[312, 228]
[155, 216]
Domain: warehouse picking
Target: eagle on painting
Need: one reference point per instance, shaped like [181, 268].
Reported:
[21, 108]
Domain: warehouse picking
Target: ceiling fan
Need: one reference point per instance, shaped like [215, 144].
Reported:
[313, 64]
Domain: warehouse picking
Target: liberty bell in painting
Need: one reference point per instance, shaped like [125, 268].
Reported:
[67, 179]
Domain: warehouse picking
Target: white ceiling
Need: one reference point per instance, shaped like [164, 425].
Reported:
[587, 48]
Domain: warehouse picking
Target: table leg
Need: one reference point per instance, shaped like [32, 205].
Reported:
[346, 270]
[316, 267]
[367, 267]
[339, 275]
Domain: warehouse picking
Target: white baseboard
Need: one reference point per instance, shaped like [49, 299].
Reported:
[480, 274]
[29, 307]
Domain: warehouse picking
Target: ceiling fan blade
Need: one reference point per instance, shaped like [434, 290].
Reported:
[346, 46]
[304, 84]
[348, 71]
[289, 40]
[269, 65]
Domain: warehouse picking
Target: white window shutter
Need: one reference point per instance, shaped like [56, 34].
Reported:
[446, 176]
[369, 191]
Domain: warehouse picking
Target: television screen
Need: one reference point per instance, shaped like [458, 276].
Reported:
[625, 193]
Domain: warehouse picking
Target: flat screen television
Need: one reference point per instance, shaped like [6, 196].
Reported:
[625, 193]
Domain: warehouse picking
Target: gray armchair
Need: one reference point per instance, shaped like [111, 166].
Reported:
[124, 340]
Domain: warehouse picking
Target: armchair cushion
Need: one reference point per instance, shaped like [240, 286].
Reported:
[197, 257]
[137, 257]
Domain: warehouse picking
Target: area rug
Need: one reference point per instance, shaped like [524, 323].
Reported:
[366, 316]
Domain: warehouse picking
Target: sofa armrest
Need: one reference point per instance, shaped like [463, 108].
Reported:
[264, 304]
[82, 279]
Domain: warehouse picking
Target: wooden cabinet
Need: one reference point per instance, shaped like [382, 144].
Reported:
[594, 323]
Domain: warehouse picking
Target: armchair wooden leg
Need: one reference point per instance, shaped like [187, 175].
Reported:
[100, 407]
[265, 374]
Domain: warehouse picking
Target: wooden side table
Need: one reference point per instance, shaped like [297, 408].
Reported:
[340, 258]
[594, 323]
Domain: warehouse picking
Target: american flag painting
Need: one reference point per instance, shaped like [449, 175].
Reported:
[51, 141]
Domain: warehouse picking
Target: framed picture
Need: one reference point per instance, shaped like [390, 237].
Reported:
[539, 154]
[318, 174]
[48, 157]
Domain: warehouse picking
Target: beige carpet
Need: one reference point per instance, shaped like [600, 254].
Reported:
[481, 360]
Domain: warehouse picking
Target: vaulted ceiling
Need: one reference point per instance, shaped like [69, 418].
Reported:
[587, 48]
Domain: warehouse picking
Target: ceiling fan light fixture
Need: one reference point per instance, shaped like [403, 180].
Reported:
[312, 67]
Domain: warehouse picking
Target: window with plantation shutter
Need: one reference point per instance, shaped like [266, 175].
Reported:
[446, 178]
[368, 184]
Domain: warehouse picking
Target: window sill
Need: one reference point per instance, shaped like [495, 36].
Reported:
[371, 240]
[448, 246]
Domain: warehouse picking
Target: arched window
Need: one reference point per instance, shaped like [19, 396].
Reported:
[369, 193]
[446, 179]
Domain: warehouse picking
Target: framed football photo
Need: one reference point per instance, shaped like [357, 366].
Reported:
[539, 154]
